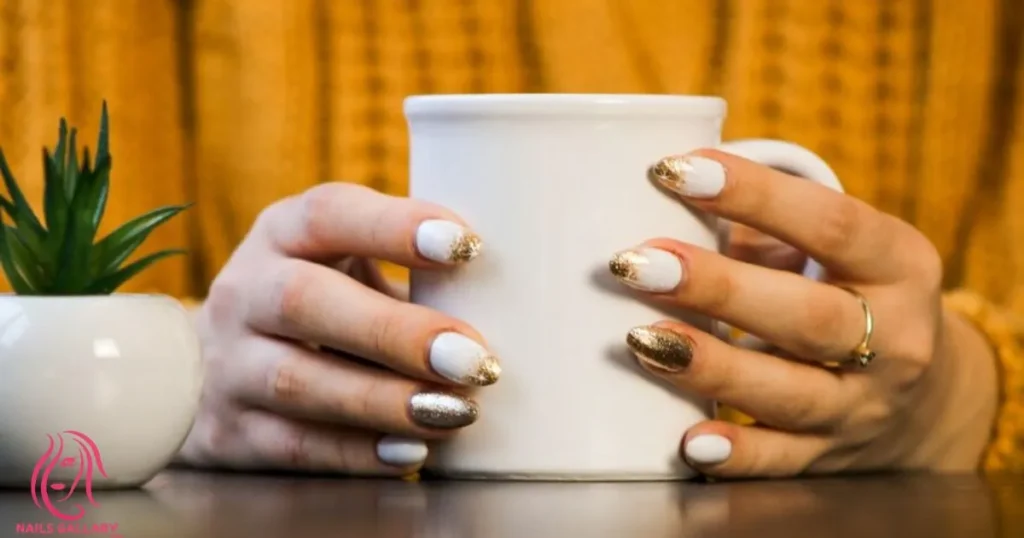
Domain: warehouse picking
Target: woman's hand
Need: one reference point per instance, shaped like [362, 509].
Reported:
[926, 401]
[312, 362]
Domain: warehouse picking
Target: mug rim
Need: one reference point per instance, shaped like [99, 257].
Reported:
[489, 104]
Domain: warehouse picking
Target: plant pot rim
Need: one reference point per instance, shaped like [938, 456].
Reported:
[139, 297]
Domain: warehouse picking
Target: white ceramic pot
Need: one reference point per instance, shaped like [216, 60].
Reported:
[113, 381]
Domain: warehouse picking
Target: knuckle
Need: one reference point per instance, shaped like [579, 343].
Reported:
[290, 289]
[872, 415]
[803, 412]
[719, 294]
[269, 215]
[712, 378]
[294, 447]
[384, 331]
[316, 209]
[214, 435]
[383, 222]
[914, 354]
[823, 325]
[286, 382]
[917, 344]
[223, 300]
[927, 264]
[351, 457]
[839, 228]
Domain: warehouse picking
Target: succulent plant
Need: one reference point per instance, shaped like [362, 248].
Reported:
[63, 257]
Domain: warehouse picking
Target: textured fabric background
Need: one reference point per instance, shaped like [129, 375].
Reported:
[918, 104]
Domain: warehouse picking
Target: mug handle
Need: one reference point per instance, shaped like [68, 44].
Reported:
[790, 158]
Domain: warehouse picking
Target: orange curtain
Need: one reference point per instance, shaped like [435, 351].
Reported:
[233, 104]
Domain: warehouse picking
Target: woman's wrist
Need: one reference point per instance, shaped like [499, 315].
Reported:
[967, 403]
[1001, 335]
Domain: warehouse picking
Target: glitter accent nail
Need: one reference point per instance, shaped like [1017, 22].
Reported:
[465, 248]
[660, 348]
[447, 242]
[623, 265]
[463, 360]
[671, 172]
[690, 175]
[486, 374]
[442, 410]
[648, 269]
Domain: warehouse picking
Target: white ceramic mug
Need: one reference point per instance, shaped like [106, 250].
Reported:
[555, 185]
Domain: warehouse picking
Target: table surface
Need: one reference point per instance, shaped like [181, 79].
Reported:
[187, 504]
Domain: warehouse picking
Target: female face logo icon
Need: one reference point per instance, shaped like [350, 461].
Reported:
[69, 449]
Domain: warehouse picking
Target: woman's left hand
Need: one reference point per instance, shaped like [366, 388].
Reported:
[926, 402]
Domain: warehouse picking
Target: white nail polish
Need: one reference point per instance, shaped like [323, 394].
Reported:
[647, 269]
[461, 359]
[708, 449]
[446, 242]
[401, 451]
[693, 176]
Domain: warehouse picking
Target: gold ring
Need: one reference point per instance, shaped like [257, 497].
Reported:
[862, 354]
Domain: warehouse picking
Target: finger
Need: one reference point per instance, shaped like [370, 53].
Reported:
[274, 442]
[728, 450]
[366, 271]
[812, 320]
[776, 392]
[752, 246]
[849, 237]
[312, 303]
[334, 220]
[299, 382]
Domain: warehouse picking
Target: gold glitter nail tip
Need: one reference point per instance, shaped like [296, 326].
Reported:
[447, 242]
[486, 373]
[671, 171]
[442, 410]
[624, 265]
[465, 248]
[660, 348]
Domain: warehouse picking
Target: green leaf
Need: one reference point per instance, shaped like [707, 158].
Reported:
[103, 144]
[55, 204]
[25, 259]
[60, 153]
[115, 248]
[110, 282]
[71, 170]
[14, 277]
[73, 269]
[97, 190]
[7, 206]
[22, 212]
[31, 240]
[39, 255]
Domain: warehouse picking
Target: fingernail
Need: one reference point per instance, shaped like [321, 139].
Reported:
[708, 449]
[401, 451]
[461, 359]
[442, 410]
[690, 175]
[647, 269]
[661, 349]
[446, 242]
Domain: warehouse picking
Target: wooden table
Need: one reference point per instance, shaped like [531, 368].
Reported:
[198, 505]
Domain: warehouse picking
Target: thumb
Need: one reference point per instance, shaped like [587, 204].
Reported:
[727, 450]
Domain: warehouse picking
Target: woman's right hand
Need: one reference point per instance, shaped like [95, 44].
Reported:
[312, 362]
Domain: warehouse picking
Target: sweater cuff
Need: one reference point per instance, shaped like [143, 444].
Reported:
[1005, 333]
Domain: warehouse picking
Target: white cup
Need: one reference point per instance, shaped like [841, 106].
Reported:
[555, 185]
